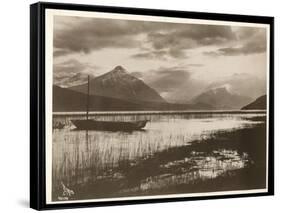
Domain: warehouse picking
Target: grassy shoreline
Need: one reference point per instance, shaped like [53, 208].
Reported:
[129, 177]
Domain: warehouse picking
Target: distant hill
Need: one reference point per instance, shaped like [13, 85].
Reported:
[66, 100]
[259, 103]
[118, 83]
[221, 98]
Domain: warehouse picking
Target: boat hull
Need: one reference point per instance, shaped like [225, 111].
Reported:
[108, 125]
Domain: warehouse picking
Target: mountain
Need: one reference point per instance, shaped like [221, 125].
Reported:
[68, 80]
[77, 79]
[259, 103]
[221, 98]
[118, 83]
[66, 100]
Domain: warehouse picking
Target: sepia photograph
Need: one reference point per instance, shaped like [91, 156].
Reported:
[144, 107]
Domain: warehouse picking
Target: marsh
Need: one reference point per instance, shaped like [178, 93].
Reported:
[175, 153]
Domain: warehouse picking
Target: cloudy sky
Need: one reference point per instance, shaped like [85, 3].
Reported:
[179, 60]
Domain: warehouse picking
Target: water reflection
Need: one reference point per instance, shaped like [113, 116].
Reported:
[194, 168]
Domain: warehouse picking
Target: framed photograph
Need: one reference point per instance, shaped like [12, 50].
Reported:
[133, 106]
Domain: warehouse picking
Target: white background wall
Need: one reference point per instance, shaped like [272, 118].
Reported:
[14, 105]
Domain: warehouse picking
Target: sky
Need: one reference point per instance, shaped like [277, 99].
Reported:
[179, 60]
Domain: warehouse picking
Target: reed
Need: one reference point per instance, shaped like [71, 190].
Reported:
[83, 158]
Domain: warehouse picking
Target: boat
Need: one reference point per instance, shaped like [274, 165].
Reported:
[92, 124]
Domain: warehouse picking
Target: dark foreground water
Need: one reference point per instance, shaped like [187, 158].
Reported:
[175, 153]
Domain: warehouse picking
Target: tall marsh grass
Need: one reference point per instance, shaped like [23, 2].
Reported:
[80, 157]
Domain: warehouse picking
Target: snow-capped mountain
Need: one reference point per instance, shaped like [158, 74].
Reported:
[222, 98]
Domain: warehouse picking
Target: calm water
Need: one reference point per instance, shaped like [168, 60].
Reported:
[81, 158]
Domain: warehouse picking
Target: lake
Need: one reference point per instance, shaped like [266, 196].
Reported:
[177, 152]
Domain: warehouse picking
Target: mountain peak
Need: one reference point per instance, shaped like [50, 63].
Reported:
[118, 83]
[226, 88]
[220, 90]
[119, 68]
[117, 74]
[222, 98]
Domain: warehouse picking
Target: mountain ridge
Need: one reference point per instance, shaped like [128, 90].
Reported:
[66, 100]
[221, 98]
[118, 83]
[259, 103]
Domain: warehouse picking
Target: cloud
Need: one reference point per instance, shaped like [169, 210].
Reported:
[177, 53]
[243, 33]
[174, 83]
[192, 35]
[151, 55]
[77, 34]
[72, 72]
[137, 74]
[164, 79]
[168, 79]
[80, 34]
[195, 65]
[160, 54]
[60, 52]
[165, 40]
[244, 50]
[174, 39]
[252, 41]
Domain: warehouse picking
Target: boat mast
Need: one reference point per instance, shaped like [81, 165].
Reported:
[88, 97]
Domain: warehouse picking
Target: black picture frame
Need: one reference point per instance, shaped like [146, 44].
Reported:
[37, 101]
